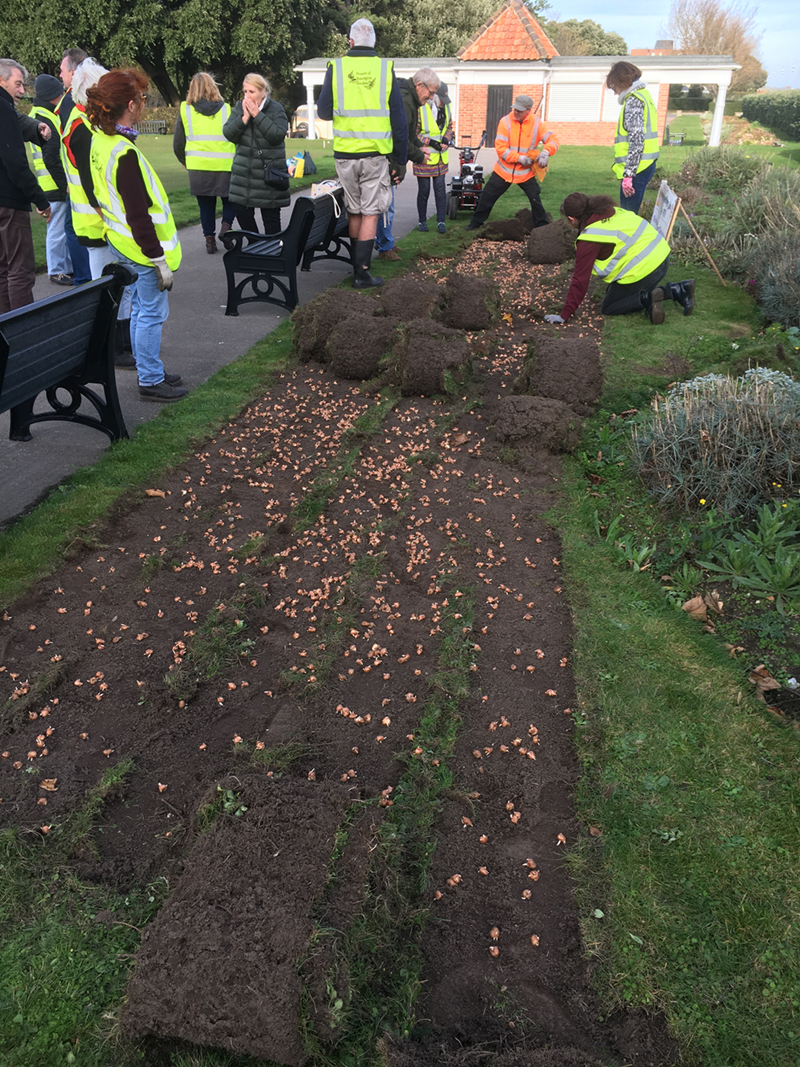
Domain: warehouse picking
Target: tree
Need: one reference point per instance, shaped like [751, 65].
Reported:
[584, 38]
[169, 39]
[707, 28]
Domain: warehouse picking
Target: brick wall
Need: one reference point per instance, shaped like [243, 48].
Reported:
[471, 118]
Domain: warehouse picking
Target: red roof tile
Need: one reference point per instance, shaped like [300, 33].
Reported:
[511, 33]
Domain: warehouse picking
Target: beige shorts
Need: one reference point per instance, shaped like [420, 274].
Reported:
[366, 183]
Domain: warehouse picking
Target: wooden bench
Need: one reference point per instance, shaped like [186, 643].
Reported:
[61, 345]
[270, 263]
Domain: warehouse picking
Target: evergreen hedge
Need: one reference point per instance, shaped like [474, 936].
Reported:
[779, 111]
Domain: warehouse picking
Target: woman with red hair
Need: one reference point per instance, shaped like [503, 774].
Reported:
[139, 223]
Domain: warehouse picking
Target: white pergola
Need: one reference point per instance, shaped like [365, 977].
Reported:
[577, 83]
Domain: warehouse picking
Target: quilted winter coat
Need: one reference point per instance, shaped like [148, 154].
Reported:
[259, 141]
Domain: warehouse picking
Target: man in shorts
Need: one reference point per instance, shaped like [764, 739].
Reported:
[361, 96]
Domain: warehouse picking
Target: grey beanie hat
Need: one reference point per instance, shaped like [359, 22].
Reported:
[522, 102]
[46, 87]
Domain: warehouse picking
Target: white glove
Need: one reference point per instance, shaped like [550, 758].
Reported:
[163, 274]
[543, 158]
[556, 320]
[525, 161]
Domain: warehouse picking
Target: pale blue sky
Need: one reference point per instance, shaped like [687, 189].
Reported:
[779, 19]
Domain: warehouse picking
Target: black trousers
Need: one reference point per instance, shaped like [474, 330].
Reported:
[621, 299]
[494, 189]
[246, 217]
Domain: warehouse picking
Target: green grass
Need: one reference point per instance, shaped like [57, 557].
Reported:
[61, 969]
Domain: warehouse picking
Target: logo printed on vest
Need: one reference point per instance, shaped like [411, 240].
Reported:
[361, 77]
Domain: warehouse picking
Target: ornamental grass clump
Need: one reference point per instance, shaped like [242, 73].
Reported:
[724, 168]
[728, 443]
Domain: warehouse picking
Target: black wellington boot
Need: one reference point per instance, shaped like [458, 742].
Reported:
[362, 256]
[683, 294]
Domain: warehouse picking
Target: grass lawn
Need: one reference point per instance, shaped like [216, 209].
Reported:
[689, 881]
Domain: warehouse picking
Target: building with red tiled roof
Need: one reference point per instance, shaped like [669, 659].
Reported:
[511, 33]
[512, 54]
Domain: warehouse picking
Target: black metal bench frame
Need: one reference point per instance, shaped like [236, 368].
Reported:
[62, 345]
[269, 263]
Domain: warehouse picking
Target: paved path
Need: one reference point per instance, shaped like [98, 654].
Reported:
[198, 339]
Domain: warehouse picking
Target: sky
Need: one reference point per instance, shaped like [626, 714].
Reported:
[780, 43]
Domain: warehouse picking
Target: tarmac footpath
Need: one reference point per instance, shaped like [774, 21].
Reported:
[198, 340]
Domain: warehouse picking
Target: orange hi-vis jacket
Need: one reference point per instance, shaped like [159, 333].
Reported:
[515, 139]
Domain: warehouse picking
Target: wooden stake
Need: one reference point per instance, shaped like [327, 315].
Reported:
[702, 245]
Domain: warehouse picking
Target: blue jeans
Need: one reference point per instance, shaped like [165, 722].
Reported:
[77, 253]
[58, 261]
[208, 213]
[383, 238]
[149, 311]
[640, 181]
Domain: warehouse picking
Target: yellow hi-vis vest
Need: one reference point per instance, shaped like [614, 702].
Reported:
[43, 175]
[430, 128]
[207, 148]
[650, 150]
[638, 247]
[361, 121]
[105, 156]
[85, 220]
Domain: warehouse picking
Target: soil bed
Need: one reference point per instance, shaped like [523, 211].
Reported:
[276, 621]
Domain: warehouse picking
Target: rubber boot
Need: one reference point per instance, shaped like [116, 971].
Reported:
[122, 358]
[653, 303]
[127, 344]
[362, 256]
[683, 293]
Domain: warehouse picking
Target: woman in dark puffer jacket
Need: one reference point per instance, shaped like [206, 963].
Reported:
[258, 128]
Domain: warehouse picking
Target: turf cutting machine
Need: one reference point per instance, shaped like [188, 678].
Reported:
[465, 188]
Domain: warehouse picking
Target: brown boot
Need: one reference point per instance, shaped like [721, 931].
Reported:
[211, 244]
[224, 227]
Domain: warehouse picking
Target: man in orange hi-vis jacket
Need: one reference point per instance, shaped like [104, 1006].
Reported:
[519, 161]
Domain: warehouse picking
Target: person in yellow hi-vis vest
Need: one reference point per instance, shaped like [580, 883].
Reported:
[636, 139]
[625, 251]
[138, 219]
[201, 146]
[360, 94]
[520, 161]
[49, 171]
[436, 131]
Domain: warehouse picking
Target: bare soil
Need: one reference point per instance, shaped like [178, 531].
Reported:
[231, 647]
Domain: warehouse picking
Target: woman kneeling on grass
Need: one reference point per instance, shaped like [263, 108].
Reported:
[139, 223]
[628, 253]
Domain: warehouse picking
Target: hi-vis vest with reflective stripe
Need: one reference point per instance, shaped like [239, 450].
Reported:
[207, 148]
[430, 128]
[650, 150]
[105, 157]
[43, 175]
[361, 120]
[85, 220]
[638, 247]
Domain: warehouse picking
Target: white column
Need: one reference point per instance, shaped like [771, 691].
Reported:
[716, 121]
[312, 133]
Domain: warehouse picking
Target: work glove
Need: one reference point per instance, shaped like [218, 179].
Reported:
[525, 160]
[396, 174]
[543, 158]
[627, 186]
[163, 274]
[554, 320]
